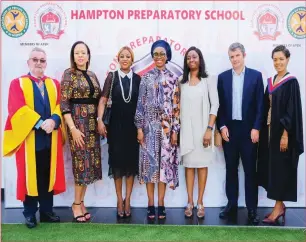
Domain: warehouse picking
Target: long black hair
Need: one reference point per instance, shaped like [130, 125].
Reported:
[72, 62]
[202, 71]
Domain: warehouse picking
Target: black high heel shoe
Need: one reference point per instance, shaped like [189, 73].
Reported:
[151, 212]
[76, 219]
[120, 214]
[161, 212]
[86, 214]
[127, 214]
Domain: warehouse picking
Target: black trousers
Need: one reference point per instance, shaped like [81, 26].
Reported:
[44, 198]
[240, 145]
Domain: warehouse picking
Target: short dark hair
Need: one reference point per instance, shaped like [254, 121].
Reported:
[72, 62]
[283, 49]
[202, 71]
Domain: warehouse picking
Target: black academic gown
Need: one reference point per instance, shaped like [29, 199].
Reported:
[277, 171]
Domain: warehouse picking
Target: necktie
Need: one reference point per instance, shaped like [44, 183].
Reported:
[41, 86]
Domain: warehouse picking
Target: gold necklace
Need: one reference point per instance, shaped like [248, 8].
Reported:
[193, 82]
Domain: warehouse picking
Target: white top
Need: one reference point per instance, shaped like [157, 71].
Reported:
[238, 81]
[122, 74]
[197, 103]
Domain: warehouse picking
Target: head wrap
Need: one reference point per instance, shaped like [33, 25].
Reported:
[164, 44]
[128, 49]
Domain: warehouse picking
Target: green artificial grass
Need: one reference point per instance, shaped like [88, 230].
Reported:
[119, 232]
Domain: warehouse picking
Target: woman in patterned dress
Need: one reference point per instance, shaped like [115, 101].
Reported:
[123, 148]
[80, 94]
[157, 121]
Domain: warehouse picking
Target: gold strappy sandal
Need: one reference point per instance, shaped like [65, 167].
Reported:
[189, 210]
[200, 211]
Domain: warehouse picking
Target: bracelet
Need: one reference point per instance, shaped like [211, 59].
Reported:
[72, 127]
[285, 137]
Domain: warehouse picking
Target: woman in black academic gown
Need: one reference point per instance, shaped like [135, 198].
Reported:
[281, 137]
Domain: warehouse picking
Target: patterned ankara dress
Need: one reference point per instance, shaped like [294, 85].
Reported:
[80, 94]
[157, 113]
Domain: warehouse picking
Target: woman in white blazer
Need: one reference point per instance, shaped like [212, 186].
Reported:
[199, 107]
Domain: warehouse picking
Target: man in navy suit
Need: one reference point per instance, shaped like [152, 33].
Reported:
[241, 95]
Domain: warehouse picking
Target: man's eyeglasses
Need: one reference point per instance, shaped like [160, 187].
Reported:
[35, 60]
[161, 54]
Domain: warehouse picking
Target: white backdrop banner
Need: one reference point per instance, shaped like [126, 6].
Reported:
[107, 26]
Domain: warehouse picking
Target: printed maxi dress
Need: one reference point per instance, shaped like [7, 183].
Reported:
[157, 113]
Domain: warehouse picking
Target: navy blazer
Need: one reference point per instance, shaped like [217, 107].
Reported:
[42, 107]
[252, 98]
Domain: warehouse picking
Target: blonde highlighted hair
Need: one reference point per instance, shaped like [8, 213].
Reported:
[128, 49]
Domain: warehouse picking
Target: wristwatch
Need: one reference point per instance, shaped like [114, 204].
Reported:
[209, 127]
[98, 118]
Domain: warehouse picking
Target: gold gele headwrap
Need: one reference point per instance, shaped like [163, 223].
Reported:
[128, 49]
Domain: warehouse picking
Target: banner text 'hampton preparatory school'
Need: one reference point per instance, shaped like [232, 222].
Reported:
[148, 14]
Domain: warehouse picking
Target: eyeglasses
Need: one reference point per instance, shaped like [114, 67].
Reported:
[161, 54]
[35, 60]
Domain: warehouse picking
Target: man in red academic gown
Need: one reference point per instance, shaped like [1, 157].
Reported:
[33, 132]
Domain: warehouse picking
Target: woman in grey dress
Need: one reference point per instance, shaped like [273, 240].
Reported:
[199, 107]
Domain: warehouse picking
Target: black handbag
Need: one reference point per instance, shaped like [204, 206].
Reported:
[108, 106]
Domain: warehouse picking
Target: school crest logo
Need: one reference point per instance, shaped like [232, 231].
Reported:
[14, 21]
[50, 21]
[267, 22]
[296, 22]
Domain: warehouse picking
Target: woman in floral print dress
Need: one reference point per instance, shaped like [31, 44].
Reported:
[80, 94]
[157, 121]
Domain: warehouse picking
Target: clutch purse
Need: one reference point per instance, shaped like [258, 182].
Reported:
[108, 106]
